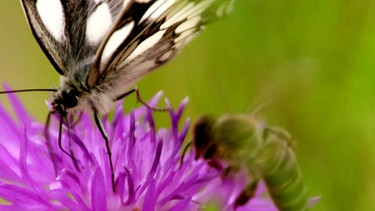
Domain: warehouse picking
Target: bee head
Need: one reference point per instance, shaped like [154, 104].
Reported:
[203, 140]
[227, 138]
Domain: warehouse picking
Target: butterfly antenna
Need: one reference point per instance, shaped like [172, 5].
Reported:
[28, 90]
[108, 148]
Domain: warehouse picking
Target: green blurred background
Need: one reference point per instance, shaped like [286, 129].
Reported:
[310, 62]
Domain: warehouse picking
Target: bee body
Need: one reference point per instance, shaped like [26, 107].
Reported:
[242, 141]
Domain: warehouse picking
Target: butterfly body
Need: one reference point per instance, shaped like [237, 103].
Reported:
[70, 98]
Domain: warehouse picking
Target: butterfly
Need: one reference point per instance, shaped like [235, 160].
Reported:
[101, 48]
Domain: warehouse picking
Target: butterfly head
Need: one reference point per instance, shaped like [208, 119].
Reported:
[73, 96]
[64, 100]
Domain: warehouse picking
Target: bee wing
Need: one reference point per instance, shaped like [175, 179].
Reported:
[146, 35]
[68, 31]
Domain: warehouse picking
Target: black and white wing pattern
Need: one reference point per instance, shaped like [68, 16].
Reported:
[150, 40]
[106, 46]
[70, 31]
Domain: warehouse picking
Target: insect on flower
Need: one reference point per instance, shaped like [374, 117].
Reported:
[101, 48]
[146, 161]
[241, 141]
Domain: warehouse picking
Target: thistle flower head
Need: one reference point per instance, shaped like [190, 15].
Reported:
[147, 164]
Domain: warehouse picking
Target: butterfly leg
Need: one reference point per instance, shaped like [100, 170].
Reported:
[139, 98]
[48, 141]
[75, 122]
[50, 148]
[108, 148]
[71, 152]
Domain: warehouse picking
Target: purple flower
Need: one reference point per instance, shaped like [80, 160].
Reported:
[148, 171]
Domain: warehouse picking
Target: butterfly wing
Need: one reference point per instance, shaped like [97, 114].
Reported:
[146, 35]
[68, 31]
[118, 40]
[47, 39]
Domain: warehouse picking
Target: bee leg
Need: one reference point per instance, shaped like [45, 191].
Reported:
[230, 171]
[216, 165]
[247, 194]
[188, 145]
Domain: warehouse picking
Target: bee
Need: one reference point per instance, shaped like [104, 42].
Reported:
[240, 141]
